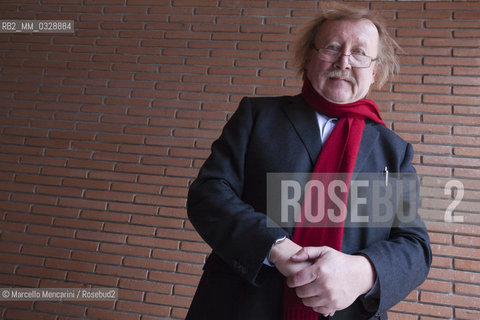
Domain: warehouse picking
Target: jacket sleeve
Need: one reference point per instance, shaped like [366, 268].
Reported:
[234, 230]
[403, 260]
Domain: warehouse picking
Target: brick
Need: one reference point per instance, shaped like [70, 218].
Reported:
[153, 242]
[73, 243]
[466, 289]
[141, 285]
[465, 91]
[169, 277]
[168, 300]
[131, 229]
[436, 286]
[10, 206]
[466, 314]
[190, 268]
[144, 149]
[68, 154]
[184, 290]
[60, 308]
[163, 201]
[155, 164]
[109, 176]
[81, 203]
[119, 138]
[465, 100]
[451, 300]
[147, 131]
[454, 61]
[422, 127]
[20, 217]
[427, 15]
[466, 120]
[451, 80]
[455, 251]
[174, 123]
[46, 251]
[75, 223]
[424, 309]
[112, 315]
[455, 275]
[55, 211]
[157, 221]
[43, 161]
[24, 238]
[105, 216]
[452, 6]
[149, 263]
[143, 308]
[452, 24]
[41, 273]
[121, 271]
[179, 313]
[100, 236]
[94, 279]
[21, 259]
[128, 207]
[84, 183]
[468, 265]
[135, 187]
[20, 314]
[109, 195]
[69, 192]
[464, 34]
[421, 88]
[466, 71]
[9, 247]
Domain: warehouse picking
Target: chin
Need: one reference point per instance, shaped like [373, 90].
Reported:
[338, 99]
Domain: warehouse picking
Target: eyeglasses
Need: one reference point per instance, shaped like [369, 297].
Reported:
[356, 60]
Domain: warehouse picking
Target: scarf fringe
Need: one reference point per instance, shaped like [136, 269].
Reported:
[300, 314]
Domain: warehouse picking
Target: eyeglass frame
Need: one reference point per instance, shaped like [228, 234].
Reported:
[340, 54]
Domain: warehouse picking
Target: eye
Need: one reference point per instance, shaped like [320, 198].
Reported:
[333, 47]
[358, 52]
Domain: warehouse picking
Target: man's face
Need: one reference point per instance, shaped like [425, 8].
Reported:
[346, 84]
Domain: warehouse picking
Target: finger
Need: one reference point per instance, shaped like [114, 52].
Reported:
[318, 301]
[300, 256]
[309, 253]
[314, 289]
[303, 277]
[324, 311]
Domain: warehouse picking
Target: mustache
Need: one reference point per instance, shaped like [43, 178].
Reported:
[341, 74]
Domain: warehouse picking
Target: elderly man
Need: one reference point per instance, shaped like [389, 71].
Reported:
[257, 271]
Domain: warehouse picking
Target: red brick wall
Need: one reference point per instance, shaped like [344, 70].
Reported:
[101, 132]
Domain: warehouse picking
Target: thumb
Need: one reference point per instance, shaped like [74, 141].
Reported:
[309, 253]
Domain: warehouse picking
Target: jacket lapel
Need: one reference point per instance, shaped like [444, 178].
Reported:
[303, 119]
[369, 137]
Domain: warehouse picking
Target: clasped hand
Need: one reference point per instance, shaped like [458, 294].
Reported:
[323, 278]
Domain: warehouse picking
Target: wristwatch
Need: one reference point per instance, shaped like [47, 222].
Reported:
[279, 240]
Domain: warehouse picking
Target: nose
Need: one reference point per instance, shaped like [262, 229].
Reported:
[343, 62]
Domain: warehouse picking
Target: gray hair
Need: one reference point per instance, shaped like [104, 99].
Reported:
[387, 61]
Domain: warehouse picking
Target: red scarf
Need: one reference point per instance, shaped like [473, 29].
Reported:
[338, 155]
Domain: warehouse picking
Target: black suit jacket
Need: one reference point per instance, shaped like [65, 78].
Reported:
[227, 205]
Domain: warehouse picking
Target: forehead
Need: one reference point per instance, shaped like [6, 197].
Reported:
[360, 32]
